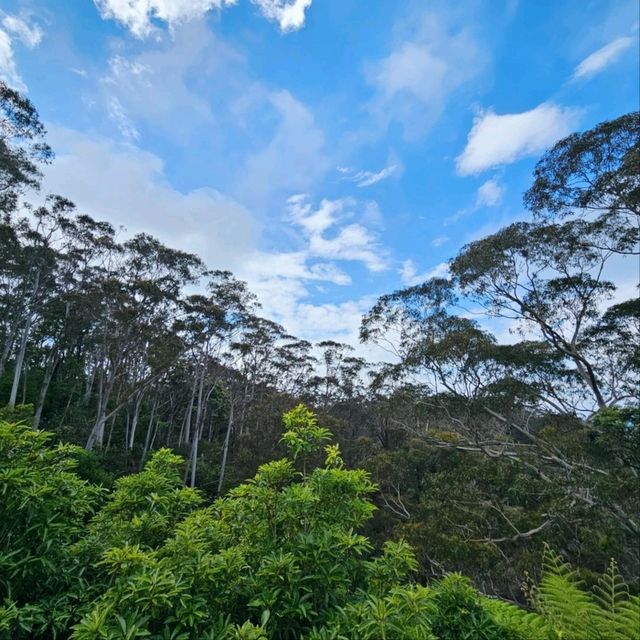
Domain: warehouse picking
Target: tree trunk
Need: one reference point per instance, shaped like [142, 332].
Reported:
[96, 437]
[147, 439]
[195, 438]
[225, 450]
[186, 424]
[52, 363]
[134, 422]
[20, 361]
[8, 345]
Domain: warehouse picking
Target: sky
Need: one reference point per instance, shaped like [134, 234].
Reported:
[325, 151]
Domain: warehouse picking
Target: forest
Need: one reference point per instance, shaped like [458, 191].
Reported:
[173, 465]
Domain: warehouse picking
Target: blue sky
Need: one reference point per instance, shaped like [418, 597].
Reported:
[327, 151]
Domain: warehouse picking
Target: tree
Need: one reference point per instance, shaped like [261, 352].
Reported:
[594, 175]
[22, 146]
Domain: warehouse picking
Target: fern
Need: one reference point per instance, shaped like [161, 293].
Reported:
[529, 625]
[627, 620]
[606, 614]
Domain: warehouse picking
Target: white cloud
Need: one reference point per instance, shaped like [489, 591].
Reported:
[289, 14]
[121, 119]
[292, 159]
[8, 69]
[283, 280]
[14, 28]
[352, 242]
[139, 15]
[410, 276]
[490, 193]
[154, 84]
[29, 35]
[439, 241]
[602, 58]
[502, 139]
[412, 84]
[276, 145]
[369, 178]
[127, 186]
[313, 222]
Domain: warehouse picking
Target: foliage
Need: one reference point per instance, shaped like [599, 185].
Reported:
[44, 508]
[278, 557]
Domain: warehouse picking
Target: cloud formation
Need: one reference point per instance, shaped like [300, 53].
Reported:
[496, 140]
[602, 58]
[350, 242]
[127, 186]
[13, 28]
[29, 34]
[410, 276]
[490, 193]
[293, 157]
[119, 116]
[413, 83]
[289, 14]
[369, 178]
[139, 15]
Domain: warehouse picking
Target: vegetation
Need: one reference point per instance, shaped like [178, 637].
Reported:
[279, 556]
[161, 388]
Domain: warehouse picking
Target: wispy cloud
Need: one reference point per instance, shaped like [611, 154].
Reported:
[410, 276]
[414, 81]
[439, 241]
[29, 34]
[489, 193]
[496, 140]
[351, 241]
[369, 178]
[139, 17]
[14, 29]
[119, 116]
[293, 158]
[602, 58]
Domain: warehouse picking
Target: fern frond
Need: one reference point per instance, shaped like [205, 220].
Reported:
[627, 621]
[611, 590]
[529, 625]
[562, 601]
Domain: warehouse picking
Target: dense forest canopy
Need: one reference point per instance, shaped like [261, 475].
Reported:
[482, 456]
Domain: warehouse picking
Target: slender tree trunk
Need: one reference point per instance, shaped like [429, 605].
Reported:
[89, 386]
[147, 439]
[8, 345]
[20, 361]
[186, 424]
[134, 422]
[52, 363]
[96, 437]
[243, 406]
[195, 438]
[24, 385]
[225, 449]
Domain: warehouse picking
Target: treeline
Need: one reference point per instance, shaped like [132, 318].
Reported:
[482, 451]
